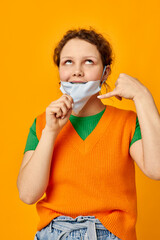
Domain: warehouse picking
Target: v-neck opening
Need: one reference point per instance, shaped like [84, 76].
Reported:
[86, 145]
[85, 125]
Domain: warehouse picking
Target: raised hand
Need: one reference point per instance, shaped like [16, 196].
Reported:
[125, 86]
[58, 113]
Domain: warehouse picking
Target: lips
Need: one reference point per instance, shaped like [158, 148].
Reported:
[78, 82]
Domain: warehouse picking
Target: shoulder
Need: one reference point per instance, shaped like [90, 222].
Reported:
[41, 117]
[122, 119]
[122, 113]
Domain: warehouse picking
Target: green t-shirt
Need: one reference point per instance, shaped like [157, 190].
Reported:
[83, 126]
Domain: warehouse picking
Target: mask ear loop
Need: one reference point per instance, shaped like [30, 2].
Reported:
[102, 77]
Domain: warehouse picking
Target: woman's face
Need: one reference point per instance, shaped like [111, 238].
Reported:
[80, 61]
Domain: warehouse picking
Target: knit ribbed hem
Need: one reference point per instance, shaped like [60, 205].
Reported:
[114, 225]
[111, 223]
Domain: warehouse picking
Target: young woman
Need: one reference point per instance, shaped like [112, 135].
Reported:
[81, 153]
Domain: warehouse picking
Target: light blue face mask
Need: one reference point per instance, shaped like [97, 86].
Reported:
[81, 92]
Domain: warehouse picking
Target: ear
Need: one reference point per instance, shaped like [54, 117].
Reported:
[107, 72]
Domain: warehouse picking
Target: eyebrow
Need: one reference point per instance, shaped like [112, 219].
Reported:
[83, 57]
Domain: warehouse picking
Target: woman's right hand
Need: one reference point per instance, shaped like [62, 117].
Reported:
[58, 113]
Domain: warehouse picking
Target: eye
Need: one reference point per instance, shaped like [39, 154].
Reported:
[68, 62]
[89, 61]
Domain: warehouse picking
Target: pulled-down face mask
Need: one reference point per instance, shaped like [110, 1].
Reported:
[81, 92]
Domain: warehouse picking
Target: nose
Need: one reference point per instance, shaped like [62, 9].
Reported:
[78, 72]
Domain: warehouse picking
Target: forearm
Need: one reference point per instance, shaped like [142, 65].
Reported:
[149, 120]
[34, 176]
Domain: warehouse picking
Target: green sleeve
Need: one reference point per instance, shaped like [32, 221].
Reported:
[137, 133]
[32, 140]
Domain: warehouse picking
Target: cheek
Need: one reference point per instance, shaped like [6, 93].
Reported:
[64, 75]
[93, 75]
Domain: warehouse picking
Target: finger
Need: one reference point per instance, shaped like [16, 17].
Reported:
[56, 110]
[60, 107]
[58, 113]
[108, 95]
[68, 96]
[63, 108]
[68, 102]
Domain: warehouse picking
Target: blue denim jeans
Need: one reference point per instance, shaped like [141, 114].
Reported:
[79, 228]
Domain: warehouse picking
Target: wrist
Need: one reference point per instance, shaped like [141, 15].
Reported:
[143, 94]
[50, 131]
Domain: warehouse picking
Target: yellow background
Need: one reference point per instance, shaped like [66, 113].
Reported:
[29, 82]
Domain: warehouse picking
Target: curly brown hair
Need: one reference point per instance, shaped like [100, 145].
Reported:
[91, 36]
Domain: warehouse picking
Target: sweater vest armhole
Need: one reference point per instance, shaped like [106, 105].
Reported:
[133, 117]
[40, 124]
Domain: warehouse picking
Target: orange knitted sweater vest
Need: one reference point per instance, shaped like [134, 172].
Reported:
[95, 176]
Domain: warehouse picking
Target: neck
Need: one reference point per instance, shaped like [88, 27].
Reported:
[92, 107]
